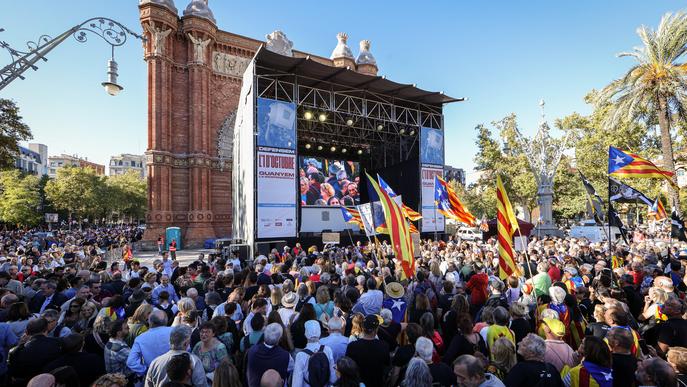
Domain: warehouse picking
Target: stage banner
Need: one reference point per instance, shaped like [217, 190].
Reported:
[276, 124]
[432, 220]
[431, 164]
[432, 147]
[276, 193]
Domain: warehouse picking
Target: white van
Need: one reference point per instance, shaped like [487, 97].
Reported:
[593, 232]
[469, 234]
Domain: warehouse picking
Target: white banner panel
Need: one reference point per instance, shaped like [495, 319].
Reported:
[432, 220]
[276, 195]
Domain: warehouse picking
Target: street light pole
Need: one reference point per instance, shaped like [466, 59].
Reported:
[111, 31]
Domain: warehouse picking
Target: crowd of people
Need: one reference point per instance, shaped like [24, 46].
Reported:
[326, 182]
[577, 314]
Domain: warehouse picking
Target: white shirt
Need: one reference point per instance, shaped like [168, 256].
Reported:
[300, 369]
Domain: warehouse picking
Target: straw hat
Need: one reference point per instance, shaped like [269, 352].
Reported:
[289, 300]
[394, 290]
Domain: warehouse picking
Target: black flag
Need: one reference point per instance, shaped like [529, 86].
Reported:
[623, 193]
[677, 229]
[594, 200]
[614, 221]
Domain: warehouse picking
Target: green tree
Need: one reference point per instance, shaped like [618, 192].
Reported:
[76, 191]
[12, 130]
[129, 194]
[20, 199]
[654, 88]
[590, 140]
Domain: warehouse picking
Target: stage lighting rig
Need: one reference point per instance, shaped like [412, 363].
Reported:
[322, 117]
[308, 115]
[319, 147]
[308, 146]
[333, 149]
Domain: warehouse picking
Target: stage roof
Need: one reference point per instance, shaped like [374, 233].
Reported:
[315, 73]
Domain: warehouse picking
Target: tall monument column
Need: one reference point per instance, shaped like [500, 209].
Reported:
[159, 21]
[200, 31]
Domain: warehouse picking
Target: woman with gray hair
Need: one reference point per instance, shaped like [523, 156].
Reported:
[417, 374]
[533, 370]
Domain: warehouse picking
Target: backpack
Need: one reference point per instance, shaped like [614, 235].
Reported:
[318, 368]
[168, 311]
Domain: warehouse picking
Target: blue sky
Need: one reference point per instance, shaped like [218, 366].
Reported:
[504, 56]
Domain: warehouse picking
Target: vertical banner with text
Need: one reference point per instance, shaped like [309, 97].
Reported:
[276, 169]
[431, 164]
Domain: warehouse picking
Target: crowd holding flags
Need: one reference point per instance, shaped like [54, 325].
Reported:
[506, 226]
[398, 217]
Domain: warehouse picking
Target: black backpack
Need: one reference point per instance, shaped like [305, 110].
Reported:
[318, 368]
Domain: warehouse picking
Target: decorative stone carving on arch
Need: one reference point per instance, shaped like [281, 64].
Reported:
[225, 139]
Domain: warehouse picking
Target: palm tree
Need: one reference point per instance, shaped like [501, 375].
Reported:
[656, 87]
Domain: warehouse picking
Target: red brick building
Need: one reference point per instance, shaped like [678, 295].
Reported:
[194, 80]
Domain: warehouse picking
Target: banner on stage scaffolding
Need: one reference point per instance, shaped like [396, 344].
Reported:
[431, 165]
[276, 169]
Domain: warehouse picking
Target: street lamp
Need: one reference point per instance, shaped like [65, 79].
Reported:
[111, 31]
[111, 86]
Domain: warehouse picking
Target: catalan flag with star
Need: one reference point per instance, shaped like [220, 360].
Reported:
[408, 212]
[506, 227]
[657, 211]
[448, 203]
[398, 228]
[352, 215]
[621, 163]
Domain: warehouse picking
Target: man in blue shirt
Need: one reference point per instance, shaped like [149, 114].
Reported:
[150, 344]
[336, 340]
[164, 286]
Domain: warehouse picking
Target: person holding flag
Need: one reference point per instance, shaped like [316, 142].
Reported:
[506, 225]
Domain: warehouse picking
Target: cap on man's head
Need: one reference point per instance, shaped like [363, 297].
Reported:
[312, 329]
[556, 326]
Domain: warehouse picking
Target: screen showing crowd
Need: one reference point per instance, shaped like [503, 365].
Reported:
[327, 182]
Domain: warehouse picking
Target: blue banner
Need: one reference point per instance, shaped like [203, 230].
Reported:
[276, 124]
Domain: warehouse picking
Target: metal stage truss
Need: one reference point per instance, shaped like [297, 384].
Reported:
[386, 127]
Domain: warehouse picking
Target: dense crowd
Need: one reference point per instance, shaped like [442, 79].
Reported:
[580, 314]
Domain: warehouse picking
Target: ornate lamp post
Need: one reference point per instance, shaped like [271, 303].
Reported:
[544, 154]
[112, 32]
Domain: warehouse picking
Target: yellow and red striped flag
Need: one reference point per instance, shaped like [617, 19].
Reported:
[411, 214]
[506, 226]
[399, 231]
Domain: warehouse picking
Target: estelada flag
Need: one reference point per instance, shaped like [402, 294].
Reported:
[352, 215]
[448, 203]
[657, 210]
[621, 163]
[398, 229]
[506, 226]
[407, 211]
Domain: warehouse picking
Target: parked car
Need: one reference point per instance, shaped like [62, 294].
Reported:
[469, 234]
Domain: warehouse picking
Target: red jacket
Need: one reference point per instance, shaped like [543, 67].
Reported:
[479, 287]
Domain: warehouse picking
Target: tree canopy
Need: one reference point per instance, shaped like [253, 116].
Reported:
[12, 130]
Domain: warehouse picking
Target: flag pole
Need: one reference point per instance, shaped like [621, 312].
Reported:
[349, 235]
[436, 225]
